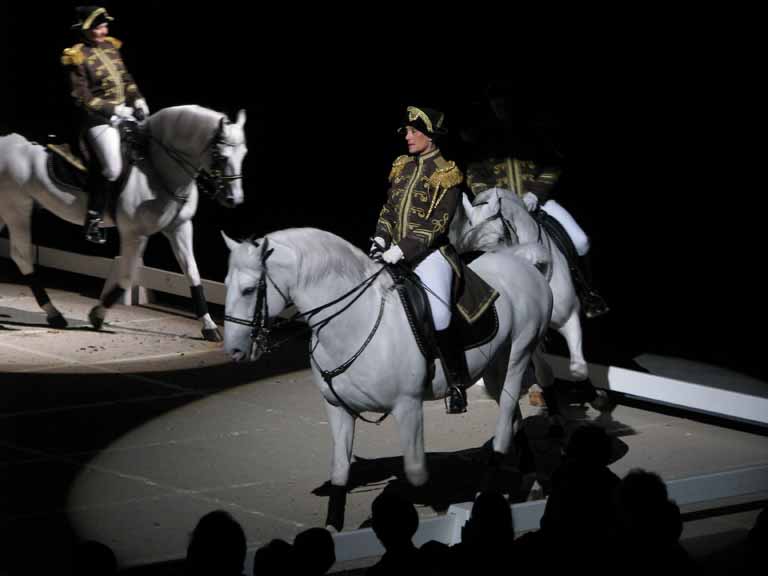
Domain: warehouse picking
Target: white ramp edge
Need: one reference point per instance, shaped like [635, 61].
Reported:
[737, 405]
[358, 545]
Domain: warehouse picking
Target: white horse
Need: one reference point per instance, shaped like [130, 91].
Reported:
[364, 356]
[498, 218]
[160, 195]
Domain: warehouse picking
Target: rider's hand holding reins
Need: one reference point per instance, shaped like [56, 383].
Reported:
[393, 255]
[122, 112]
[378, 245]
[531, 201]
[142, 110]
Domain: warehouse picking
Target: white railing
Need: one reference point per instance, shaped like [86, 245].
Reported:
[97, 266]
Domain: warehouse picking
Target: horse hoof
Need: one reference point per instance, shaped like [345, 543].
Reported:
[57, 321]
[212, 334]
[603, 402]
[96, 319]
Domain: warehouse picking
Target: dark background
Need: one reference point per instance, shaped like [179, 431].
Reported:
[655, 113]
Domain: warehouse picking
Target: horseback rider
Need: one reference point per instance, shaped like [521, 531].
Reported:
[535, 184]
[104, 94]
[413, 228]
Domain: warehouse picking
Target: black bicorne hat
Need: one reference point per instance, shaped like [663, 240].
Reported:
[90, 17]
[426, 120]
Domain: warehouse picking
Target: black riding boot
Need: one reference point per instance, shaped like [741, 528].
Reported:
[98, 187]
[455, 364]
[591, 302]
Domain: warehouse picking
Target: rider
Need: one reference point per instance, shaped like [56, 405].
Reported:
[413, 227]
[104, 94]
[535, 185]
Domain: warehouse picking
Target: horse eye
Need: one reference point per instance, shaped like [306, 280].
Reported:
[249, 291]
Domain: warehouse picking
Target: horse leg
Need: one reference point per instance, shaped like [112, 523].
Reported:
[131, 250]
[20, 234]
[410, 419]
[571, 331]
[509, 420]
[180, 238]
[343, 431]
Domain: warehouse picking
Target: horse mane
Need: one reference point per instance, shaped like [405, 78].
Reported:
[322, 254]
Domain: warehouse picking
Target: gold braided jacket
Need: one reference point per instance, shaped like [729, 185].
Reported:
[99, 80]
[519, 176]
[421, 202]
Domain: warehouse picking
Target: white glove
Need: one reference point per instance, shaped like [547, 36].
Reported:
[123, 111]
[377, 247]
[141, 105]
[393, 255]
[531, 201]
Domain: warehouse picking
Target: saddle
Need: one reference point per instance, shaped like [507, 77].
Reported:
[563, 241]
[68, 167]
[419, 314]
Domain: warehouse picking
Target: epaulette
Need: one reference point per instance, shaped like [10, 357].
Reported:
[114, 41]
[73, 56]
[447, 175]
[398, 165]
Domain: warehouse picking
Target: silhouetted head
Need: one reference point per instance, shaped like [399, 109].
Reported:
[315, 551]
[275, 557]
[217, 546]
[393, 519]
[589, 444]
[93, 558]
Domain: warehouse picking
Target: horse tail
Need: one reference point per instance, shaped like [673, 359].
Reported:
[536, 254]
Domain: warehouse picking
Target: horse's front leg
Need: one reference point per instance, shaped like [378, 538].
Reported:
[508, 421]
[180, 238]
[409, 414]
[343, 430]
[131, 251]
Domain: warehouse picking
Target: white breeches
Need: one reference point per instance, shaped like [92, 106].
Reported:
[579, 238]
[436, 273]
[106, 142]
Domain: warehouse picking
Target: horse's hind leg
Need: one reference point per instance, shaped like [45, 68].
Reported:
[19, 224]
[343, 430]
[131, 250]
[180, 238]
[571, 332]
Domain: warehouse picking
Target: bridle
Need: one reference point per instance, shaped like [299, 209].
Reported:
[262, 325]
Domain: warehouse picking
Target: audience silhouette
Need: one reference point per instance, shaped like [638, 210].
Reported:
[217, 546]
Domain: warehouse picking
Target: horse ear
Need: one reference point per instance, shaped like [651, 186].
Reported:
[241, 117]
[468, 208]
[231, 244]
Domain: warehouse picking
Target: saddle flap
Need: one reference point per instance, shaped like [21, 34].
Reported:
[65, 169]
[481, 330]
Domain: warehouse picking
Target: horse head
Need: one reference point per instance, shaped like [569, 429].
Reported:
[255, 295]
[485, 226]
[222, 177]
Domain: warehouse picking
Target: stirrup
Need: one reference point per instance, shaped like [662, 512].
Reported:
[93, 233]
[457, 400]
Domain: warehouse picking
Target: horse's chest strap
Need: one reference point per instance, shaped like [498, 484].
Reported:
[329, 375]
